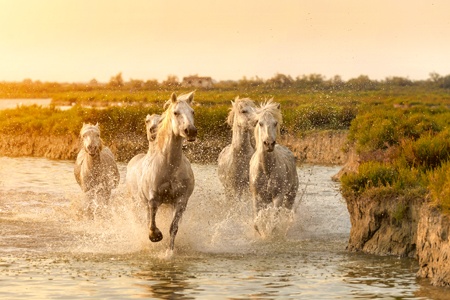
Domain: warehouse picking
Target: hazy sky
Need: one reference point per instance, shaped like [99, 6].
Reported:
[78, 40]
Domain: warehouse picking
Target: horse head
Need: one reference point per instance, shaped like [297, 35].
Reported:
[90, 137]
[267, 123]
[151, 125]
[241, 112]
[182, 116]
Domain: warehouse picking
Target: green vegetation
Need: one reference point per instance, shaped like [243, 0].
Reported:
[405, 150]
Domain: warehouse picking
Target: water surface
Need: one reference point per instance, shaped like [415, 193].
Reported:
[48, 250]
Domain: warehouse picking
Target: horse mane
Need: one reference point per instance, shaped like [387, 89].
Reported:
[235, 105]
[164, 123]
[272, 108]
[166, 117]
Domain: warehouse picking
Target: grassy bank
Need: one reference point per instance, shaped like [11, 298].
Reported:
[404, 153]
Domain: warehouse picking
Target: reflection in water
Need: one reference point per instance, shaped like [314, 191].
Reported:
[165, 280]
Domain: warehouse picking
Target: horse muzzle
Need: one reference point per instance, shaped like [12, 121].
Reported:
[190, 133]
[92, 150]
[269, 145]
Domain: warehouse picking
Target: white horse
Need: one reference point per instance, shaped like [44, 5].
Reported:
[273, 174]
[151, 126]
[233, 161]
[164, 175]
[95, 168]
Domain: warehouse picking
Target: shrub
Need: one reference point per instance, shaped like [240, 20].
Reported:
[370, 174]
[439, 186]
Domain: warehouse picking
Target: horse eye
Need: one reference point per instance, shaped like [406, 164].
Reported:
[176, 113]
[260, 124]
[243, 111]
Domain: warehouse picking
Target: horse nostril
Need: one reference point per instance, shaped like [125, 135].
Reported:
[190, 131]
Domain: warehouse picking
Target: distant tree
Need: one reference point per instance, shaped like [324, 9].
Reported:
[151, 84]
[171, 81]
[116, 81]
[362, 82]
[136, 84]
[250, 82]
[398, 81]
[280, 80]
[93, 82]
[435, 77]
[445, 82]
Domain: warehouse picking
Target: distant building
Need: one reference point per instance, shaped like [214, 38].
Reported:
[197, 81]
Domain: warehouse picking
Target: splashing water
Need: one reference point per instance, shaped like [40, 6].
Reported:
[274, 222]
[211, 223]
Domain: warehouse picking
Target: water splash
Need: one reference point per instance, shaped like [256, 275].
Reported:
[274, 222]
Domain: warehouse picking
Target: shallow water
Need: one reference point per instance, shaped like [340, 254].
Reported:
[14, 103]
[49, 251]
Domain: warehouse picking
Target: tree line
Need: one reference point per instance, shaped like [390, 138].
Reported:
[278, 81]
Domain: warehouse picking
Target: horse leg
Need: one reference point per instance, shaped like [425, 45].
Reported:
[257, 206]
[155, 234]
[179, 210]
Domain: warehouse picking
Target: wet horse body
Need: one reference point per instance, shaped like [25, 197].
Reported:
[273, 173]
[234, 159]
[95, 168]
[164, 175]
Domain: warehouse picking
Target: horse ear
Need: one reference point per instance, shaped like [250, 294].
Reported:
[191, 97]
[147, 119]
[173, 97]
[278, 105]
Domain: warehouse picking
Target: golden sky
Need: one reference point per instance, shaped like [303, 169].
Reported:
[78, 40]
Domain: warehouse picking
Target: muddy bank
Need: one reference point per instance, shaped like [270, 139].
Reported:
[384, 223]
[317, 148]
[433, 246]
[383, 227]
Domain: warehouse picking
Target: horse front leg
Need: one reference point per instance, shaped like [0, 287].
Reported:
[155, 234]
[179, 210]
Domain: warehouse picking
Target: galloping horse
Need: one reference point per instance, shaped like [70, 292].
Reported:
[273, 174]
[164, 175]
[151, 126]
[233, 161]
[95, 168]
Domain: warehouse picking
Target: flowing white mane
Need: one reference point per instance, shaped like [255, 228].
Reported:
[272, 108]
[88, 127]
[236, 105]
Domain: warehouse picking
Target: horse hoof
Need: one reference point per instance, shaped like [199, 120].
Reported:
[155, 235]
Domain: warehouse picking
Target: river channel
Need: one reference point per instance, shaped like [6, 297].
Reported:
[48, 250]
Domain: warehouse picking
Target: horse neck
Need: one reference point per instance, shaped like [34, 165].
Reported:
[241, 139]
[92, 161]
[171, 148]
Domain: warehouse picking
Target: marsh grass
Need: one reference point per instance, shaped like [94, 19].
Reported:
[404, 149]
[439, 186]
